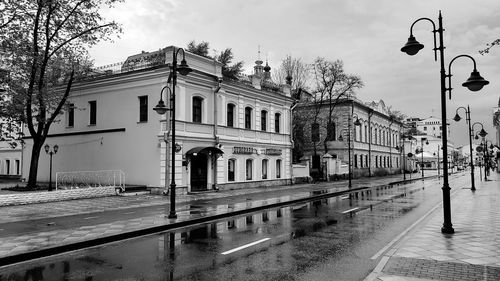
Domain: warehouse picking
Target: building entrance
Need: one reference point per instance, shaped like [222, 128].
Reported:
[199, 172]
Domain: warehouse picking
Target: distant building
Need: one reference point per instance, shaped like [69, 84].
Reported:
[432, 126]
[229, 134]
[373, 144]
[496, 123]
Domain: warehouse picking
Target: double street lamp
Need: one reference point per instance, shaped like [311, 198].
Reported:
[474, 83]
[356, 123]
[51, 152]
[161, 109]
[422, 154]
[471, 133]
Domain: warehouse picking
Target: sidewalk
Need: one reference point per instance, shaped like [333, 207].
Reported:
[471, 253]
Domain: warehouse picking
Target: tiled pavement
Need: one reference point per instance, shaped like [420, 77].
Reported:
[471, 253]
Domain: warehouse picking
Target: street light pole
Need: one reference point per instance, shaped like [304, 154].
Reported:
[356, 123]
[183, 69]
[467, 119]
[50, 152]
[474, 83]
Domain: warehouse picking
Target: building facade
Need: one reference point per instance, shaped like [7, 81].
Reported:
[432, 126]
[369, 149]
[229, 134]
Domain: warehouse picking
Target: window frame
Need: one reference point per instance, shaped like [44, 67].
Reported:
[197, 111]
[263, 120]
[143, 109]
[232, 106]
[92, 113]
[278, 168]
[277, 120]
[249, 168]
[71, 115]
[265, 168]
[248, 117]
[233, 173]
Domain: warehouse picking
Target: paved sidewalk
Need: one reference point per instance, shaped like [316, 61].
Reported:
[471, 253]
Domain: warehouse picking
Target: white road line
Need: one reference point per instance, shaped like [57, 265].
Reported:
[89, 218]
[344, 197]
[128, 213]
[245, 246]
[350, 210]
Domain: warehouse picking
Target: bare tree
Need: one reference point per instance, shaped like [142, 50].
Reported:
[332, 84]
[296, 69]
[46, 46]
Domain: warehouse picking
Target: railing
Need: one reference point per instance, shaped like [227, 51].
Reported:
[86, 179]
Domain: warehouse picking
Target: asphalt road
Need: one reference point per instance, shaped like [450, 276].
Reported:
[330, 239]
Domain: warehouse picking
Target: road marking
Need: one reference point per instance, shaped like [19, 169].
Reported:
[245, 246]
[344, 197]
[89, 218]
[350, 210]
[128, 213]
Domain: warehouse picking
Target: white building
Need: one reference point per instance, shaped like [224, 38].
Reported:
[229, 134]
[432, 126]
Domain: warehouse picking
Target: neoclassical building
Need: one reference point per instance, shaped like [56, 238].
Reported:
[229, 134]
[371, 144]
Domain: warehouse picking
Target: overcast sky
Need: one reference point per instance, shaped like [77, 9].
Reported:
[366, 34]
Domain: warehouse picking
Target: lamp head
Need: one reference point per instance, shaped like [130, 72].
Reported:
[340, 138]
[412, 46]
[457, 117]
[427, 142]
[483, 133]
[397, 147]
[357, 123]
[184, 68]
[475, 81]
[56, 148]
[46, 147]
[160, 108]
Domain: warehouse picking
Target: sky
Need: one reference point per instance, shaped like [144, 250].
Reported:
[366, 35]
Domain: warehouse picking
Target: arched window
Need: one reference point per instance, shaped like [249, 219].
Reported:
[231, 167]
[249, 169]
[330, 131]
[263, 120]
[278, 168]
[277, 121]
[197, 102]
[248, 117]
[264, 168]
[315, 132]
[230, 115]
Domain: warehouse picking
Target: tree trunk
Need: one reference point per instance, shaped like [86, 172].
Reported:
[35, 155]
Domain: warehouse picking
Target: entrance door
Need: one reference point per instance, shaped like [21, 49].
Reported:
[199, 172]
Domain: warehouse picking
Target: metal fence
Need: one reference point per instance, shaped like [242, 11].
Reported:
[86, 179]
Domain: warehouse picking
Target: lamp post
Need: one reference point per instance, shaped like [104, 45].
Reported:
[340, 138]
[403, 157]
[54, 150]
[422, 154]
[161, 109]
[483, 134]
[438, 159]
[467, 119]
[474, 83]
[486, 157]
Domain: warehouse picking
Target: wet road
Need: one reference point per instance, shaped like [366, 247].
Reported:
[330, 239]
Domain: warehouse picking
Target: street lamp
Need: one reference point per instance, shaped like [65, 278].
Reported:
[54, 150]
[340, 138]
[474, 83]
[422, 154]
[161, 109]
[467, 118]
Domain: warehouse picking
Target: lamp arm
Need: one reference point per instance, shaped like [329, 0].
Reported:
[449, 71]
[183, 53]
[434, 30]
[477, 123]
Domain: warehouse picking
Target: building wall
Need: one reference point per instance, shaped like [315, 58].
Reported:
[118, 141]
[373, 143]
[10, 160]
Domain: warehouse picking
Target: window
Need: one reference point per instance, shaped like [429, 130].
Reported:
[315, 132]
[249, 164]
[18, 167]
[197, 101]
[71, 115]
[330, 132]
[7, 166]
[366, 161]
[425, 128]
[248, 118]
[376, 135]
[264, 168]
[230, 115]
[376, 161]
[93, 112]
[277, 120]
[355, 160]
[263, 120]
[230, 169]
[143, 109]
[366, 134]
[278, 168]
